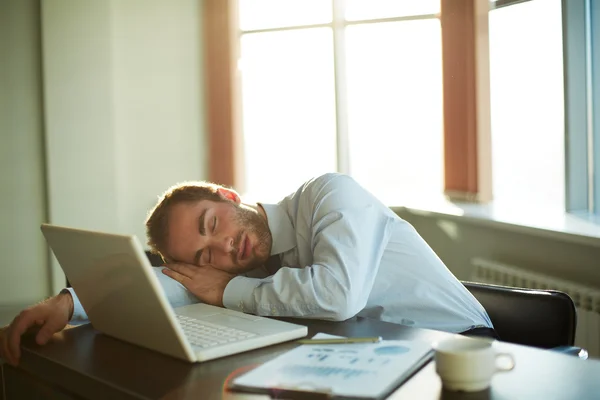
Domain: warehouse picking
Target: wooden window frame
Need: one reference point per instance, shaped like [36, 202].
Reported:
[223, 100]
[467, 126]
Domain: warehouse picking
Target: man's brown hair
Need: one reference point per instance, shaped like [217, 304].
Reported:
[157, 222]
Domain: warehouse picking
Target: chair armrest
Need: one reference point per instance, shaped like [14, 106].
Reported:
[572, 350]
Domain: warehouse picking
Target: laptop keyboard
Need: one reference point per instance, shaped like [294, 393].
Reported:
[204, 334]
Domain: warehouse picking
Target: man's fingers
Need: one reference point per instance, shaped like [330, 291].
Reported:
[184, 269]
[4, 351]
[176, 275]
[18, 327]
[46, 333]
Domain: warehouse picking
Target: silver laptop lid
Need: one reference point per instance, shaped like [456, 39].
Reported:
[115, 284]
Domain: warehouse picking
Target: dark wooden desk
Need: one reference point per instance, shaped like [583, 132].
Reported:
[82, 363]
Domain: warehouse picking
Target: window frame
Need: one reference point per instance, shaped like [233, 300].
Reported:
[504, 3]
[222, 95]
[467, 114]
[582, 104]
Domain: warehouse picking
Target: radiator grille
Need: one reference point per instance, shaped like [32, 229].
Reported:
[586, 299]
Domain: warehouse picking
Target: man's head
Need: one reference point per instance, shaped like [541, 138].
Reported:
[206, 224]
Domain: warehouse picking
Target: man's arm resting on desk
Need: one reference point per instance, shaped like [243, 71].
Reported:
[338, 283]
[52, 315]
[49, 316]
[348, 235]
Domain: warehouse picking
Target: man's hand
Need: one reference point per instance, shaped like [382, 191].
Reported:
[48, 317]
[206, 283]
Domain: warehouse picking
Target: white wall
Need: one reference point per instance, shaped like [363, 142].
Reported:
[81, 134]
[23, 269]
[159, 109]
[123, 88]
[122, 99]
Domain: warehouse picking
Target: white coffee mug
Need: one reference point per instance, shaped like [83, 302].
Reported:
[468, 364]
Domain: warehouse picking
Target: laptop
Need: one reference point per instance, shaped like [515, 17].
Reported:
[123, 298]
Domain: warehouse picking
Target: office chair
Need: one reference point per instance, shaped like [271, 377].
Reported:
[534, 317]
[155, 259]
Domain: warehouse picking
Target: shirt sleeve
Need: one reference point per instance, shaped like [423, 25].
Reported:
[349, 234]
[176, 293]
[79, 315]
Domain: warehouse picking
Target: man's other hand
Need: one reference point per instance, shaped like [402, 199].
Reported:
[206, 283]
[47, 317]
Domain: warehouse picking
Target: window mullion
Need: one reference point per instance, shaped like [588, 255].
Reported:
[221, 52]
[576, 107]
[467, 131]
[590, 106]
[504, 3]
[340, 79]
[594, 80]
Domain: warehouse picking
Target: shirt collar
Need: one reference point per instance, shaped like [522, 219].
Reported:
[282, 230]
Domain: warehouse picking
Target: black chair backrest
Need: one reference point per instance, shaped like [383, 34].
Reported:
[155, 259]
[540, 318]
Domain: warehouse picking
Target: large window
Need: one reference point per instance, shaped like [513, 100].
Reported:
[412, 98]
[351, 86]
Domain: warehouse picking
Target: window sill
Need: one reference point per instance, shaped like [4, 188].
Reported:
[553, 224]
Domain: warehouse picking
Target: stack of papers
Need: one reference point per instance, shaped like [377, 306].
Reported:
[353, 370]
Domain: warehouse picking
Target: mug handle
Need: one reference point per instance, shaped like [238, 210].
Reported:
[505, 369]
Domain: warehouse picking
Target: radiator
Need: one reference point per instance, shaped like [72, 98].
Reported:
[586, 299]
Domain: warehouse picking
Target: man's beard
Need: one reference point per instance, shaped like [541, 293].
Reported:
[252, 223]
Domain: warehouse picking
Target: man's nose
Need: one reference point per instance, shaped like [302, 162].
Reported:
[225, 243]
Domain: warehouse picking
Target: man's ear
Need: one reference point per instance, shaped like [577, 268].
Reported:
[229, 194]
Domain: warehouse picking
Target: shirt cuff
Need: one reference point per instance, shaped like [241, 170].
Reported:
[176, 293]
[238, 294]
[79, 315]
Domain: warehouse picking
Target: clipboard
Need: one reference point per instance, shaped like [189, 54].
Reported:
[338, 371]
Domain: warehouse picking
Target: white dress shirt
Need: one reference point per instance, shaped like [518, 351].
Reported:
[344, 253]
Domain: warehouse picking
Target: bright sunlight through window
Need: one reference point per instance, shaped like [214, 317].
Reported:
[288, 109]
[392, 81]
[395, 108]
[527, 103]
